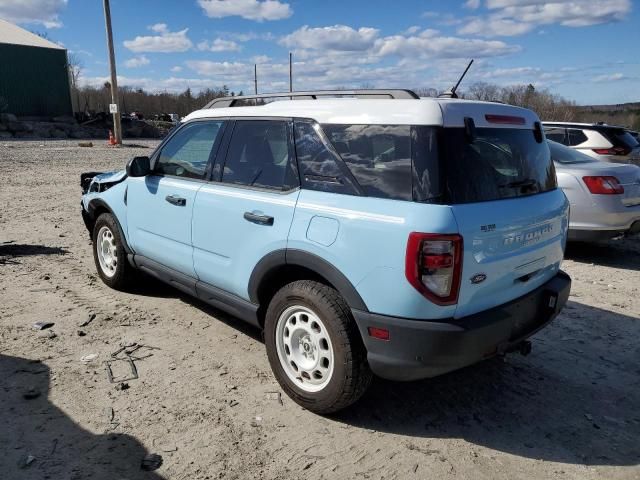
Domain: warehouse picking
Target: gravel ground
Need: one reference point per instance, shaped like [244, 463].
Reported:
[206, 401]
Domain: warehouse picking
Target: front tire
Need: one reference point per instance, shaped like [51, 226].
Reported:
[314, 347]
[109, 254]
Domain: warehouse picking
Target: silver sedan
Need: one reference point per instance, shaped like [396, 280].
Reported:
[604, 197]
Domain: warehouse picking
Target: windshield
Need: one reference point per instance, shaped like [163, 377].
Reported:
[497, 163]
[562, 154]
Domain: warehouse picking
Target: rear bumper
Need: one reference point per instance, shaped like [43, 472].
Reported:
[419, 349]
[592, 235]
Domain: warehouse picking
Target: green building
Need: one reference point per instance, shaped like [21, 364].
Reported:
[34, 76]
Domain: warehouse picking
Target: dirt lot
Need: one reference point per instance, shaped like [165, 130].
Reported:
[205, 400]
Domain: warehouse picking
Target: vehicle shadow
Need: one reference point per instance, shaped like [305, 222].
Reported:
[623, 254]
[60, 447]
[563, 403]
[21, 250]
[149, 286]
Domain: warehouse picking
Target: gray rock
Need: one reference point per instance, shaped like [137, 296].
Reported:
[55, 133]
[16, 126]
[64, 119]
[6, 135]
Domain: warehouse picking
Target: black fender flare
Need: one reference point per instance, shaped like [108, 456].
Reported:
[315, 263]
[99, 204]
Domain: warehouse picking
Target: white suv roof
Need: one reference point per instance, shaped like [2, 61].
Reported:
[424, 111]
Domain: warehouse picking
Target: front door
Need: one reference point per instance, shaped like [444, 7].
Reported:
[247, 212]
[160, 205]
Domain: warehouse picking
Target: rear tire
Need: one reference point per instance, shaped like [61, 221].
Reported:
[109, 254]
[314, 347]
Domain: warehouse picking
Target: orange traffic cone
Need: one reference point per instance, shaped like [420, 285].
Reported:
[112, 139]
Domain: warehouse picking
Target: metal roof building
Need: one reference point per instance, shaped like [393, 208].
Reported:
[34, 76]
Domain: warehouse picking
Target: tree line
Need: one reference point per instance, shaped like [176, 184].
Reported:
[547, 105]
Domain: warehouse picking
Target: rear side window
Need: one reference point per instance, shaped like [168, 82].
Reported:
[557, 135]
[499, 163]
[187, 153]
[564, 155]
[258, 155]
[320, 167]
[576, 137]
[378, 156]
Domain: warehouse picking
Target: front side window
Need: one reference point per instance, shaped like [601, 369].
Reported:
[187, 153]
[258, 155]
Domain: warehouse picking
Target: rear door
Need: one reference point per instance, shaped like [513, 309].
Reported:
[160, 205]
[513, 219]
[246, 212]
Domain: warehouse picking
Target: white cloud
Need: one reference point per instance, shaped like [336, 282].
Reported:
[219, 45]
[176, 69]
[261, 59]
[614, 77]
[43, 12]
[258, 10]
[336, 37]
[165, 42]
[515, 17]
[136, 62]
[472, 4]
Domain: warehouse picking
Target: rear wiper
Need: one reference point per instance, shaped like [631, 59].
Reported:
[529, 182]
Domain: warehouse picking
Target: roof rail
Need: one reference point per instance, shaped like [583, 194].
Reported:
[224, 102]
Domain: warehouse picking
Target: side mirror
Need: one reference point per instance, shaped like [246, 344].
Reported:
[139, 167]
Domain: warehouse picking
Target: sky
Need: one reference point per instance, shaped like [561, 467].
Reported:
[584, 50]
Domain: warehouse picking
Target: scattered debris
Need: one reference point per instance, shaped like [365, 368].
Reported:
[47, 334]
[277, 396]
[81, 333]
[256, 421]
[42, 325]
[25, 461]
[132, 376]
[233, 403]
[90, 318]
[31, 393]
[85, 144]
[588, 416]
[151, 461]
[122, 386]
[89, 358]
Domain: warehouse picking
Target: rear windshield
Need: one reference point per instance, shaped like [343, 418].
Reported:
[497, 163]
[435, 164]
[565, 155]
[620, 138]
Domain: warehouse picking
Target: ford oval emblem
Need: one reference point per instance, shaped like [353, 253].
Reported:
[478, 278]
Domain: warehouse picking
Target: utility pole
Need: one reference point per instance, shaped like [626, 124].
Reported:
[117, 130]
[255, 77]
[290, 72]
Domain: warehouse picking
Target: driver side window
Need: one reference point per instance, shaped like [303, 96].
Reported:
[187, 153]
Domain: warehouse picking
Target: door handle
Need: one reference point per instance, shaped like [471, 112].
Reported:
[259, 219]
[175, 200]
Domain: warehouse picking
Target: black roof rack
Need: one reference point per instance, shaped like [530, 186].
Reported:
[224, 102]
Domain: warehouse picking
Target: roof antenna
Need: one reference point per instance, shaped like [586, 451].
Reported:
[452, 93]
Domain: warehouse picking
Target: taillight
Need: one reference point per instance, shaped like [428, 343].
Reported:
[433, 265]
[603, 185]
[612, 151]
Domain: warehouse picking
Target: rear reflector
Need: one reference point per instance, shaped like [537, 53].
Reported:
[603, 185]
[505, 119]
[379, 333]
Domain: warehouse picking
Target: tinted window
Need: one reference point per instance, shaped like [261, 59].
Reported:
[499, 163]
[258, 154]
[379, 157]
[620, 138]
[556, 134]
[187, 153]
[320, 168]
[576, 137]
[426, 163]
[562, 154]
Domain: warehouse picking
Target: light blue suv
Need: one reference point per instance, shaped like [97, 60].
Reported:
[381, 233]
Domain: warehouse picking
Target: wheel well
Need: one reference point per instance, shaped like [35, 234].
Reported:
[91, 219]
[280, 276]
